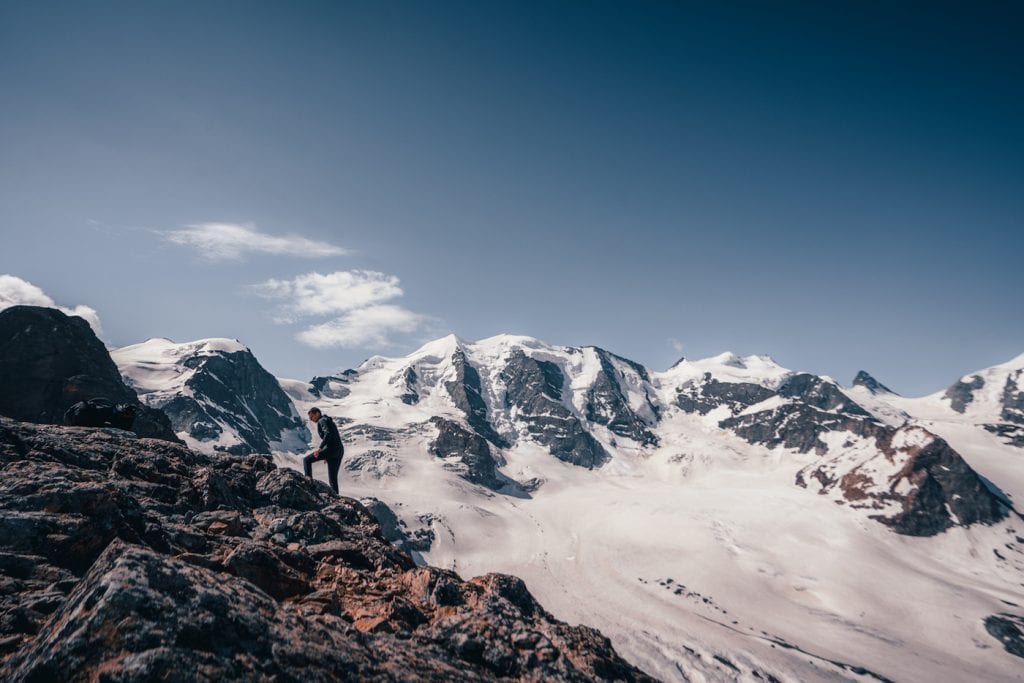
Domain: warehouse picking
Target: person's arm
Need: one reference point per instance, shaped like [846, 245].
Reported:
[331, 440]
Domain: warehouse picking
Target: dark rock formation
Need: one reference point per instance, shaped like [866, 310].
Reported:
[606, 401]
[1008, 629]
[932, 486]
[234, 390]
[707, 394]
[863, 379]
[410, 380]
[818, 407]
[818, 393]
[797, 426]
[1013, 398]
[1012, 434]
[332, 386]
[535, 388]
[944, 491]
[99, 412]
[125, 559]
[467, 393]
[395, 531]
[50, 361]
[474, 461]
[962, 393]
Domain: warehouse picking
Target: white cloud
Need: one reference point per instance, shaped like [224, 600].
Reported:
[232, 241]
[14, 291]
[356, 299]
[315, 294]
[371, 325]
[675, 344]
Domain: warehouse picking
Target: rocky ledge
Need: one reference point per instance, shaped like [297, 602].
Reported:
[126, 558]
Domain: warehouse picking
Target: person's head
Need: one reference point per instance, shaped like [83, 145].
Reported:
[314, 414]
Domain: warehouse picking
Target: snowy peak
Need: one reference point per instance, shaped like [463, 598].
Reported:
[158, 348]
[726, 367]
[217, 395]
[863, 379]
[993, 398]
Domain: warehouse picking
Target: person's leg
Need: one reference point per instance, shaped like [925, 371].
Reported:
[307, 465]
[332, 473]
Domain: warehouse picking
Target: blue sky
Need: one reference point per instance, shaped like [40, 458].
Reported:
[839, 185]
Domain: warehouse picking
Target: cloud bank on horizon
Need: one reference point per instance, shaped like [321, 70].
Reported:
[15, 291]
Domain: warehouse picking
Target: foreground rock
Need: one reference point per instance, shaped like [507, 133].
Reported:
[138, 559]
[50, 361]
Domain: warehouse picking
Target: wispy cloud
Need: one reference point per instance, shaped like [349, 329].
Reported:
[356, 299]
[675, 344]
[232, 242]
[14, 291]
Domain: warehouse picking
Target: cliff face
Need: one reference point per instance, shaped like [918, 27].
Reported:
[137, 559]
[49, 361]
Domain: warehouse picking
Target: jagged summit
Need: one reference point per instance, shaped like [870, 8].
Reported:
[216, 394]
[863, 379]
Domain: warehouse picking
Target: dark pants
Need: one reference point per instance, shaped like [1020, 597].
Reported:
[333, 465]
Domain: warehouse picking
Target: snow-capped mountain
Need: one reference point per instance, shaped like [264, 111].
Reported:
[217, 395]
[724, 519]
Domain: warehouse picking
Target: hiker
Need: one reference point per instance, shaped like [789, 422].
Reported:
[331, 448]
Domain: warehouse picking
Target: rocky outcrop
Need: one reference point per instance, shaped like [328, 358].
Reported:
[797, 426]
[534, 389]
[1013, 398]
[918, 484]
[410, 381]
[467, 394]
[816, 392]
[218, 398]
[705, 395]
[466, 453]
[332, 386]
[812, 407]
[1008, 629]
[1012, 434]
[962, 393]
[130, 559]
[607, 404]
[863, 379]
[1011, 429]
[49, 361]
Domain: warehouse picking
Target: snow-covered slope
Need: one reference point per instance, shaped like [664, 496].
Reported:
[981, 415]
[215, 392]
[992, 398]
[727, 519]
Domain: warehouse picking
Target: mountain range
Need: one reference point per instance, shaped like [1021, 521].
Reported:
[725, 518]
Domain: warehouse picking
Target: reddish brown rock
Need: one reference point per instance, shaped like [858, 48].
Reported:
[126, 559]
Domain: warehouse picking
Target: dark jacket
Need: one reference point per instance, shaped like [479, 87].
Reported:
[331, 447]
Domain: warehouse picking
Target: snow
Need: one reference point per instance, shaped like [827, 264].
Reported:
[912, 437]
[726, 367]
[989, 455]
[716, 515]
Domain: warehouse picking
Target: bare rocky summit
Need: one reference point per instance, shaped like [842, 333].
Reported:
[127, 558]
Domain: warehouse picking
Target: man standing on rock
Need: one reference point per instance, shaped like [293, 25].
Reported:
[331, 448]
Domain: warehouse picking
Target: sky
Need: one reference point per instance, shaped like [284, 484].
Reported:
[838, 185]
